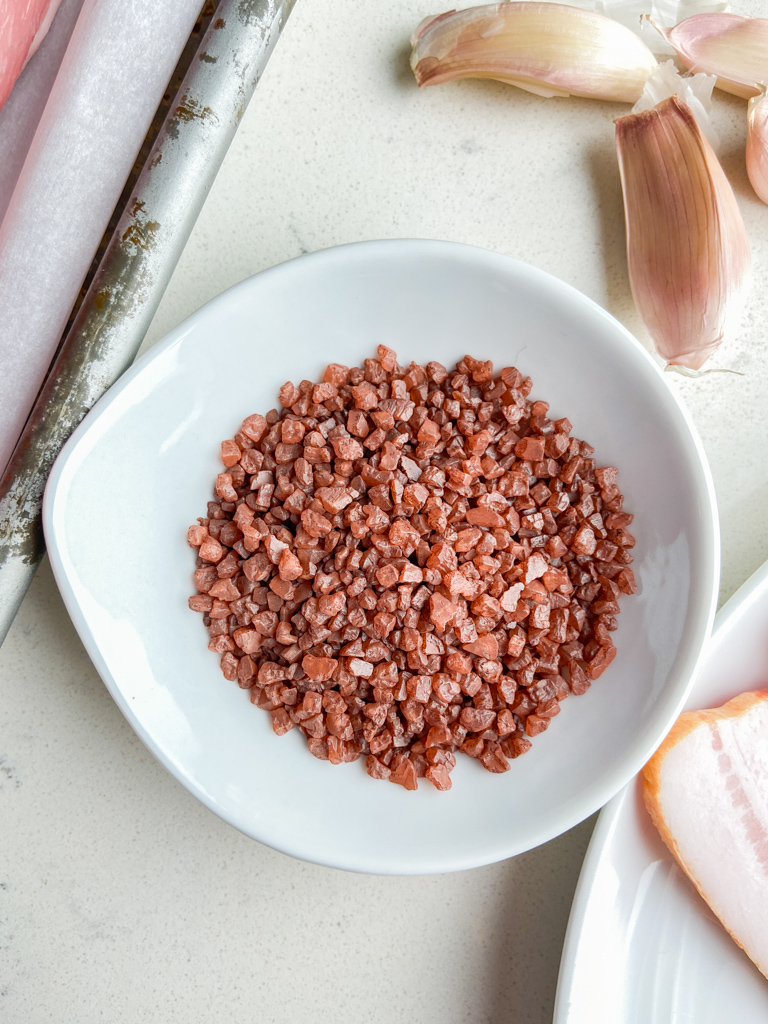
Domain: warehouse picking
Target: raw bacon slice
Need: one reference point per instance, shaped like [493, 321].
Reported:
[706, 789]
[23, 25]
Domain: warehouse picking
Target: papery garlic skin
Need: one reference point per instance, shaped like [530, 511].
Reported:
[694, 90]
[687, 247]
[730, 46]
[548, 49]
[662, 12]
[757, 144]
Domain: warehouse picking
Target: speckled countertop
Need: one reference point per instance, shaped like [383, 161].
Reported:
[121, 897]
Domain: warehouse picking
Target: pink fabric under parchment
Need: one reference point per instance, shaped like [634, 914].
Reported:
[23, 25]
[113, 75]
[21, 114]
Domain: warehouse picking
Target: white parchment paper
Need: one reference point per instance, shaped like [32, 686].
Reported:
[117, 64]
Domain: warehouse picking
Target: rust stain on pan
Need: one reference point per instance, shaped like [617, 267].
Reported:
[140, 234]
[190, 109]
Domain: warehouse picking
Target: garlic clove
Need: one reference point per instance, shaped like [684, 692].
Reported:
[730, 46]
[757, 143]
[687, 247]
[546, 48]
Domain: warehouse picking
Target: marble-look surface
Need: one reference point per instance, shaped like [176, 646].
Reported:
[121, 897]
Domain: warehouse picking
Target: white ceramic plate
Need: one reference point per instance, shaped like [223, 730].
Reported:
[141, 468]
[642, 946]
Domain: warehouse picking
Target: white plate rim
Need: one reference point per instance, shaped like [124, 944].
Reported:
[752, 590]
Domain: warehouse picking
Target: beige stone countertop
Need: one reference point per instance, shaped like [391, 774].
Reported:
[122, 899]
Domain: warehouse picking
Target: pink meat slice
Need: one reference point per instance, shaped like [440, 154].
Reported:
[23, 25]
[706, 789]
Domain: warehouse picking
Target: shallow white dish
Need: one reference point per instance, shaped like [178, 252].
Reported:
[642, 945]
[140, 469]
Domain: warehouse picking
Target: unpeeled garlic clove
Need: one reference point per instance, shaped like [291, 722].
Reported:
[730, 46]
[545, 48]
[687, 247]
[757, 144]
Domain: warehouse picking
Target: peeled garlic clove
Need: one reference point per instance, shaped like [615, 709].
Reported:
[757, 144]
[730, 46]
[546, 48]
[687, 248]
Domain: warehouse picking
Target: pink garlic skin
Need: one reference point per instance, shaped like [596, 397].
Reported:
[23, 25]
[757, 144]
[687, 249]
[731, 46]
[549, 49]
